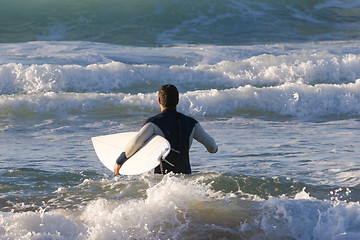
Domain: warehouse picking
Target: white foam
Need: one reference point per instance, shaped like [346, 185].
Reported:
[307, 80]
[294, 99]
[181, 207]
[306, 218]
[37, 225]
[303, 195]
[163, 214]
[288, 99]
[49, 78]
[211, 67]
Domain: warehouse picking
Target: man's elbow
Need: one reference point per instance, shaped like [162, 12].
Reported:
[213, 149]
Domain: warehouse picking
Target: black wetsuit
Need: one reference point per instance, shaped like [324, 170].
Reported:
[177, 129]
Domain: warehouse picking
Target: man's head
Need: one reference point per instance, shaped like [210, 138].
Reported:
[168, 96]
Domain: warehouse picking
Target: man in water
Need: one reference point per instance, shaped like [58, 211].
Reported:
[177, 128]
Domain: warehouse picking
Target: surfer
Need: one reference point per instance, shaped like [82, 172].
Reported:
[177, 128]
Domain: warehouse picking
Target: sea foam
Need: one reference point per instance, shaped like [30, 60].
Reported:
[179, 207]
[308, 80]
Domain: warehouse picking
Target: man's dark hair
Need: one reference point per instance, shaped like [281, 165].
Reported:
[169, 96]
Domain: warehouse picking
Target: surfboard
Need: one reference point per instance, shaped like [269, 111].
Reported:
[109, 147]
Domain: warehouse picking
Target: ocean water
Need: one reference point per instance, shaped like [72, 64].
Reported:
[276, 83]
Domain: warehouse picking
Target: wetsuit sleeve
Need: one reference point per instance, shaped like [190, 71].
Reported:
[143, 135]
[201, 136]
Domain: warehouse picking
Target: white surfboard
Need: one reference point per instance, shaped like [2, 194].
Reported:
[109, 147]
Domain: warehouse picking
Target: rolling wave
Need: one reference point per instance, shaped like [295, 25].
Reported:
[309, 80]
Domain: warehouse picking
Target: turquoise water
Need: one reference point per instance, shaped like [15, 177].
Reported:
[275, 83]
[164, 22]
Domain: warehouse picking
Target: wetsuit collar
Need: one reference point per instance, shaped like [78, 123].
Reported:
[169, 110]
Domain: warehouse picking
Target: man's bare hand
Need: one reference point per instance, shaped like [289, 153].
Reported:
[117, 169]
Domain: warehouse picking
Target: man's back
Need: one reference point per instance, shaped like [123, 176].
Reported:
[177, 129]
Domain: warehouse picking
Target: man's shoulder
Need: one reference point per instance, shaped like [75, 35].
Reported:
[150, 119]
[188, 118]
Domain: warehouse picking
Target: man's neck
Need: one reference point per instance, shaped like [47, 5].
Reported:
[167, 109]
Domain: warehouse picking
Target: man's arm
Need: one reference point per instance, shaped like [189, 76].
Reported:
[135, 144]
[146, 132]
[201, 136]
